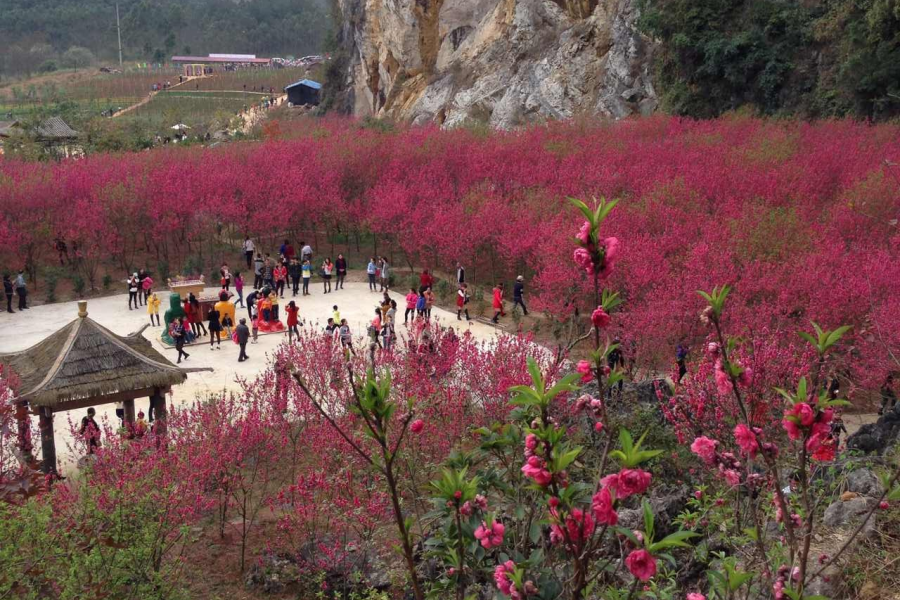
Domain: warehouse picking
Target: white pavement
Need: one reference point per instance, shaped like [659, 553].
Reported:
[356, 303]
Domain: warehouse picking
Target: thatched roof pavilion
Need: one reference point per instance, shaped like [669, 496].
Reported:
[84, 364]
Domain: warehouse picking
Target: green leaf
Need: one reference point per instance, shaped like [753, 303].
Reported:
[648, 522]
[587, 212]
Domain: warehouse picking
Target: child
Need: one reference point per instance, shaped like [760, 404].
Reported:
[239, 287]
[462, 299]
[336, 315]
[420, 304]
[227, 324]
[140, 425]
[307, 274]
[331, 327]
[292, 311]
[411, 298]
[254, 320]
[153, 308]
[273, 300]
[346, 336]
[429, 302]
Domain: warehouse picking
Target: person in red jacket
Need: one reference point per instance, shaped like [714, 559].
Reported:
[280, 275]
[426, 280]
[292, 309]
[498, 303]
[411, 298]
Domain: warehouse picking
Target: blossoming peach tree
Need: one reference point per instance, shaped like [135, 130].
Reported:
[539, 510]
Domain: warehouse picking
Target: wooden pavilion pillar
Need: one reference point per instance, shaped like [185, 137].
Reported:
[128, 406]
[48, 443]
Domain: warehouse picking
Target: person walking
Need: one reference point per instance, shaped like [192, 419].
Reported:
[498, 303]
[141, 276]
[249, 249]
[153, 303]
[295, 271]
[239, 288]
[258, 267]
[370, 271]
[389, 321]
[133, 287]
[420, 304]
[462, 301]
[306, 271]
[279, 273]
[243, 336]
[8, 290]
[215, 328]
[21, 290]
[460, 274]
[346, 336]
[385, 274]
[292, 309]
[341, 265]
[327, 268]
[225, 272]
[519, 295]
[287, 251]
[411, 299]
[179, 334]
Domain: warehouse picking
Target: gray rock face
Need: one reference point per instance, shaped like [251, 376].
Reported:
[865, 483]
[850, 513]
[879, 436]
[505, 62]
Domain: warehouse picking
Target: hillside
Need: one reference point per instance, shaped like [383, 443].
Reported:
[507, 62]
[37, 31]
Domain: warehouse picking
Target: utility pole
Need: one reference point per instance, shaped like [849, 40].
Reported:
[119, 32]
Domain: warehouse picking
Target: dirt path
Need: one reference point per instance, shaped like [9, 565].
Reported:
[150, 97]
[257, 113]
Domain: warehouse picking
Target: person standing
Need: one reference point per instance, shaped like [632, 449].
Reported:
[385, 274]
[251, 301]
[306, 252]
[346, 336]
[327, 268]
[133, 287]
[21, 291]
[8, 290]
[197, 313]
[498, 303]
[426, 280]
[287, 251]
[249, 249]
[269, 272]
[292, 309]
[142, 276]
[258, 267]
[153, 309]
[888, 397]
[429, 302]
[215, 328]
[462, 300]
[243, 336]
[616, 360]
[306, 270]
[179, 334]
[225, 272]
[341, 266]
[411, 299]
[389, 320]
[519, 295]
[420, 304]
[279, 273]
[460, 274]
[239, 287]
[90, 431]
[370, 271]
[681, 361]
[295, 271]
[147, 287]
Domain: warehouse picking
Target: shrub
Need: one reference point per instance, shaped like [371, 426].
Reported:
[78, 285]
[107, 282]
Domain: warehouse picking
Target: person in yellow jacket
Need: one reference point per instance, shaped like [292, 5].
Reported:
[153, 308]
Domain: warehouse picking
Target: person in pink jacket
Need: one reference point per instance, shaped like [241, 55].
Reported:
[411, 298]
[147, 288]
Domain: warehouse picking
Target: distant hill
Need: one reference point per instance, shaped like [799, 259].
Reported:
[37, 33]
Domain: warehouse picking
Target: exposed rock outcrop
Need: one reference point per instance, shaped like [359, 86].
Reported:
[504, 62]
[879, 436]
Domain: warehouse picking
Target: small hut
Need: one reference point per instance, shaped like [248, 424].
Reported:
[304, 92]
[84, 364]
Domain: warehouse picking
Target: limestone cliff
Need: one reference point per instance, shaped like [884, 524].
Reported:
[505, 62]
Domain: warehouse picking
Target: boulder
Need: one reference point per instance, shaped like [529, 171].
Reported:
[865, 483]
[273, 573]
[879, 436]
[666, 503]
[848, 514]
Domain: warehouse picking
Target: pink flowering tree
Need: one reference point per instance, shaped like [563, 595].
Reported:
[747, 490]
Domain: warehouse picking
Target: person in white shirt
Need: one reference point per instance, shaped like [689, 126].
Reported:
[249, 249]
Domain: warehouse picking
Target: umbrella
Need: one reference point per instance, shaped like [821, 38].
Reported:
[180, 126]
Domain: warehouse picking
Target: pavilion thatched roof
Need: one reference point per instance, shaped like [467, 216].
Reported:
[85, 360]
